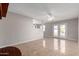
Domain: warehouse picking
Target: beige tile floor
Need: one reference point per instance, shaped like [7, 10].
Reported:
[49, 47]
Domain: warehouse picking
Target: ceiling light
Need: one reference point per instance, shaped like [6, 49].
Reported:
[51, 18]
[34, 21]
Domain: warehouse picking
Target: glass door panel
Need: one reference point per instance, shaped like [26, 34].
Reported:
[55, 30]
[62, 30]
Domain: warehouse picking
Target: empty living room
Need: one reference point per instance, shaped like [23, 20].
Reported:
[39, 29]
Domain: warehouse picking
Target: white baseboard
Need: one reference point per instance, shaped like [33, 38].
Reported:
[64, 38]
[17, 43]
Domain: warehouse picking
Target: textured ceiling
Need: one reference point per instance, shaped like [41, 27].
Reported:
[41, 11]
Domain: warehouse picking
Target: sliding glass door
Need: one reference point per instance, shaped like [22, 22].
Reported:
[60, 30]
[55, 30]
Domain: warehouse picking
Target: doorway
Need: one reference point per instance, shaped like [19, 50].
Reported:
[60, 31]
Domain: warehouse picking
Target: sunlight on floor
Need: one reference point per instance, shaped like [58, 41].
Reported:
[56, 44]
[62, 46]
[44, 43]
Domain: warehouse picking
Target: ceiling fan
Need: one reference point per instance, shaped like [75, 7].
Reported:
[48, 12]
[50, 17]
[3, 9]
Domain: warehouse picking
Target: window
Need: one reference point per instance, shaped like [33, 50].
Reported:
[55, 30]
[43, 27]
[62, 30]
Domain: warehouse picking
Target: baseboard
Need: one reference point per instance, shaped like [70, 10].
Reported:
[64, 38]
[19, 43]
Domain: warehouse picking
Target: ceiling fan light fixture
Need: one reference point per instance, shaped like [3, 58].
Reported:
[51, 18]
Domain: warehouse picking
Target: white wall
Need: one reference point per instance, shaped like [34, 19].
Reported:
[71, 29]
[17, 29]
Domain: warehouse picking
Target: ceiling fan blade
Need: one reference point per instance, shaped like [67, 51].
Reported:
[0, 12]
[0, 15]
[4, 9]
[47, 10]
